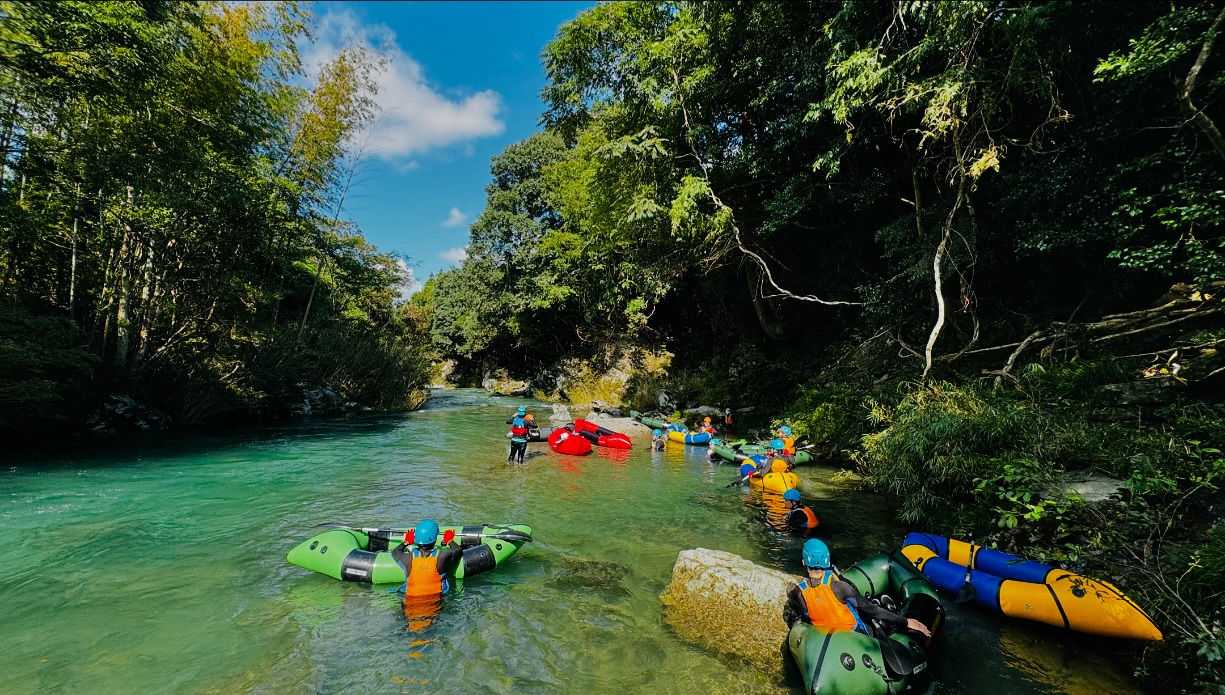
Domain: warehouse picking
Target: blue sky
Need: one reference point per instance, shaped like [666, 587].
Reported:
[463, 82]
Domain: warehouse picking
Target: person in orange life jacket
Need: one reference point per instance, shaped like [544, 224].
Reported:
[826, 600]
[428, 570]
[657, 440]
[799, 518]
[727, 420]
[706, 427]
[519, 426]
[784, 435]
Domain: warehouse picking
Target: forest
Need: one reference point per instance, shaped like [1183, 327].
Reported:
[171, 203]
[971, 250]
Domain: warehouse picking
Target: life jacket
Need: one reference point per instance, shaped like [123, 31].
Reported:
[424, 581]
[789, 446]
[518, 427]
[810, 517]
[727, 420]
[824, 608]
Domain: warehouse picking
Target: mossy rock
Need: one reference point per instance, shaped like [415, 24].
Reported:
[724, 603]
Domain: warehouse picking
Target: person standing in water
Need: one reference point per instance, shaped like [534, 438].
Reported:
[429, 571]
[799, 518]
[518, 435]
[657, 440]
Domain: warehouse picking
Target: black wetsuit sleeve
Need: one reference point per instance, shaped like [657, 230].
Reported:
[795, 602]
[448, 559]
[848, 594]
[510, 421]
[796, 519]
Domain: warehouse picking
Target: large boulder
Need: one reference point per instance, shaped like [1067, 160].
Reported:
[724, 603]
[624, 425]
[500, 384]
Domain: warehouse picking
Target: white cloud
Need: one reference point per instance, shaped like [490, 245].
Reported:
[415, 117]
[455, 219]
[409, 284]
[455, 255]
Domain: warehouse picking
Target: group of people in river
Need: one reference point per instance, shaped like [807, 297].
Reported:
[823, 599]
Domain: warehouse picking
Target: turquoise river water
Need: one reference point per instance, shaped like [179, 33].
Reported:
[156, 564]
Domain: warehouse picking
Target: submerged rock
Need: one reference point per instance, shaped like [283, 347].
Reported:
[724, 603]
[592, 575]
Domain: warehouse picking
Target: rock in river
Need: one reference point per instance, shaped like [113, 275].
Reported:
[724, 603]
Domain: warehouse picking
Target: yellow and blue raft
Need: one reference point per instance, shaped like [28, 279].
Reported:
[1026, 589]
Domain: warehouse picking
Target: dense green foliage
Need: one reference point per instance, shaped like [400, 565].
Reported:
[848, 214]
[170, 200]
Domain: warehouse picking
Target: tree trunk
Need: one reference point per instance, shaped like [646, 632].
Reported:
[122, 288]
[1190, 110]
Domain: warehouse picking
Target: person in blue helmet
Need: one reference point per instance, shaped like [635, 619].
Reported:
[784, 435]
[519, 427]
[776, 449]
[428, 570]
[799, 518]
[826, 600]
[657, 440]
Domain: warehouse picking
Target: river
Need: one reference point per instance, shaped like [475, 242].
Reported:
[155, 563]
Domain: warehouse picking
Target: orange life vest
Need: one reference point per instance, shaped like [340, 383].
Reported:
[813, 522]
[423, 577]
[824, 608]
[789, 446]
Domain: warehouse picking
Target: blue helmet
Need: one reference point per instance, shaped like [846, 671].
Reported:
[816, 554]
[426, 532]
[657, 433]
[776, 444]
[521, 411]
[792, 495]
[785, 429]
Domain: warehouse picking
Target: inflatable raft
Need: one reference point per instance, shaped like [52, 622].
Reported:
[737, 452]
[844, 663]
[601, 436]
[653, 423]
[1026, 589]
[776, 481]
[679, 433]
[363, 554]
[563, 441]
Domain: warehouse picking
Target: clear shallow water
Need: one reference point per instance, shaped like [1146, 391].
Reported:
[155, 563]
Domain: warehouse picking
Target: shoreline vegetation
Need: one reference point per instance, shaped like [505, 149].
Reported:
[973, 252]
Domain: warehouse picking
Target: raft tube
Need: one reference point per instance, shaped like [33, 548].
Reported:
[539, 434]
[738, 454]
[775, 482]
[602, 436]
[653, 423]
[839, 662]
[1026, 589]
[572, 444]
[362, 555]
[677, 432]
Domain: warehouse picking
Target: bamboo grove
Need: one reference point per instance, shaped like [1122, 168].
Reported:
[170, 215]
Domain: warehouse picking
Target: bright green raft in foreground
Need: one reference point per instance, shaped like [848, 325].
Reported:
[852, 663]
[736, 452]
[357, 554]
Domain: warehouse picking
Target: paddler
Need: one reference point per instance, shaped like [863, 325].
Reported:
[428, 571]
[826, 600]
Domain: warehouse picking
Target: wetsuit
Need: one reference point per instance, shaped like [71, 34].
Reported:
[518, 442]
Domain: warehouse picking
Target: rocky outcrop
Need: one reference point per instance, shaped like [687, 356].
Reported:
[724, 603]
[624, 425]
[122, 413]
[500, 384]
